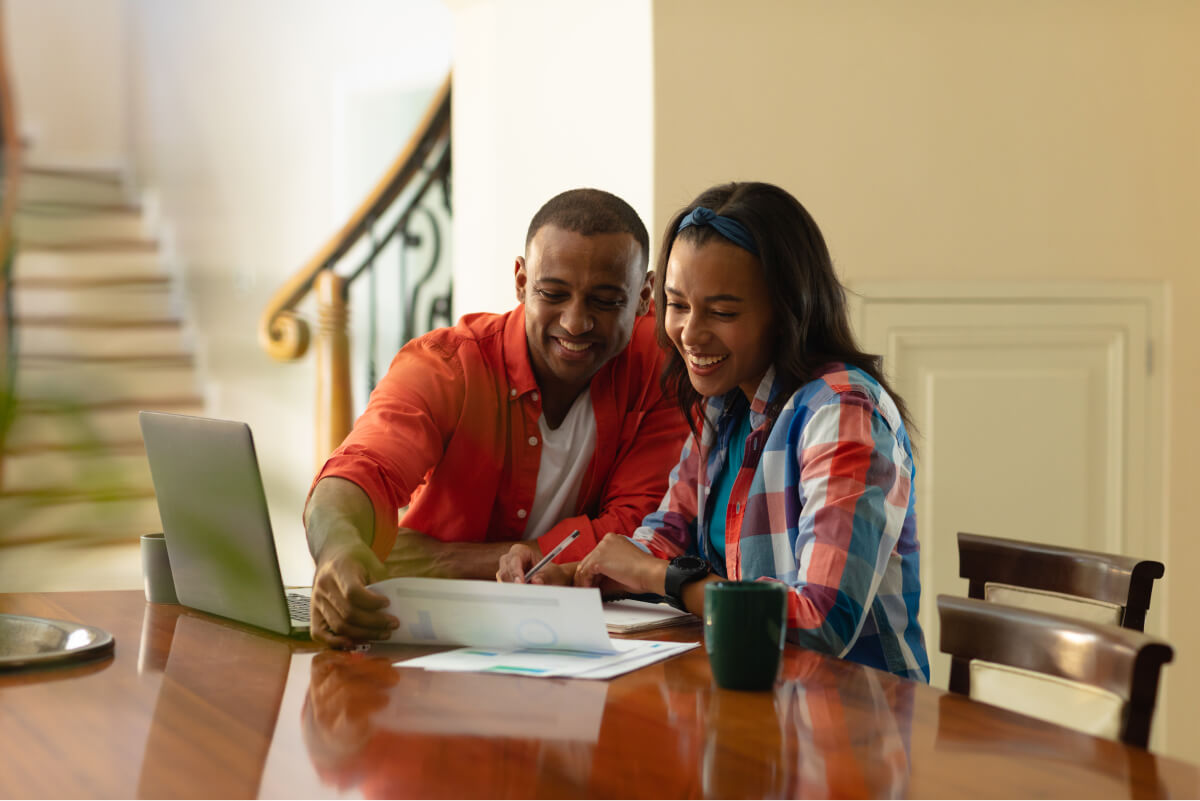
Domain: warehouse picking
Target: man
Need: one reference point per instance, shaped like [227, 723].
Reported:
[507, 427]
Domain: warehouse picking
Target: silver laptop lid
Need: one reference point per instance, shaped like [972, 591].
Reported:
[215, 518]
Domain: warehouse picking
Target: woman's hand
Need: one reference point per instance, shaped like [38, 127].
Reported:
[617, 566]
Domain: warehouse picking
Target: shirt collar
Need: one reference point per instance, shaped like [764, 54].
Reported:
[516, 355]
[767, 390]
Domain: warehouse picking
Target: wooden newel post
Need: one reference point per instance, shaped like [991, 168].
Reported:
[334, 417]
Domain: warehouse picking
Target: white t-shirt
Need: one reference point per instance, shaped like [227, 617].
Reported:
[566, 452]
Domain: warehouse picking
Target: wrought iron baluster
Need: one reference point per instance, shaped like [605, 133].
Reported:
[372, 308]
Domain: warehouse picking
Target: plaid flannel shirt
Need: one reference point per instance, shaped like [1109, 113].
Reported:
[823, 502]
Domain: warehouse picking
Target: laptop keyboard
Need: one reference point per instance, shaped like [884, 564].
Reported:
[298, 607]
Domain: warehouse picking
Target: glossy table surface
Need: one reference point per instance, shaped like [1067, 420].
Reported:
[190, 705]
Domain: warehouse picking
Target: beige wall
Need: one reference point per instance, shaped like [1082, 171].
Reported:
[548, 96]
[942, 139]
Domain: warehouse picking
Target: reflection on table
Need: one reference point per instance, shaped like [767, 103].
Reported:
[191, 705]
[385, 731]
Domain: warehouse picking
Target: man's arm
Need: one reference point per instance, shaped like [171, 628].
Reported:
[339, 524]
[393, 445]
[417, 554]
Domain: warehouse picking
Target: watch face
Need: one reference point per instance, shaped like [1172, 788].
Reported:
[689, 568]
[683, 570]
[688, 563]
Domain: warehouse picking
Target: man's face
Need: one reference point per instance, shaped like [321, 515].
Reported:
[582, 295]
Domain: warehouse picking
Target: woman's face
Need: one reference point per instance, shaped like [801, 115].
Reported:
[719, 316]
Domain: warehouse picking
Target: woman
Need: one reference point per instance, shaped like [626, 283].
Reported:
[800, 468]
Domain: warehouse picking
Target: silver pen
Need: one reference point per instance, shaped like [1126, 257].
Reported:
[555, 551]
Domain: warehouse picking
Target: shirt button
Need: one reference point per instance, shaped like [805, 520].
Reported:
[535, 396]
[512, 393]
[533, 441]
[521, 513]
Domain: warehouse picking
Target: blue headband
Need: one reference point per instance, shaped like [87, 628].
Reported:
[727, 227]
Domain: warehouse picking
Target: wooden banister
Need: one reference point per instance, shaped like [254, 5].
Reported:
[282, 333]
[333, 364]
[285, 335]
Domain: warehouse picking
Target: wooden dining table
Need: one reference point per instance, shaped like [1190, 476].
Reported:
[191, 705]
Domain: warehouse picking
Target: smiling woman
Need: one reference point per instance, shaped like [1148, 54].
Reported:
[799, 469]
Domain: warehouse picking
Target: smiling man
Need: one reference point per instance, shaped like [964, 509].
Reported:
[510, 427]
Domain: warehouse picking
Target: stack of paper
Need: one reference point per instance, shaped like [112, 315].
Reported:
[629, 617]
[526, 629]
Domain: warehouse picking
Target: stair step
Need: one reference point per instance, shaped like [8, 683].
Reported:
[139, 302]
[100, 383]
[92, 245]
[45, 473]
[84, 263]
[101, 341]
[49, 223]
[113, 425]
[67, 207]
[101, 325]
[62, 359]
[181, 400]
[82, 441]
[63, 283]
[69, 563]
[25, 520]
[40, 184]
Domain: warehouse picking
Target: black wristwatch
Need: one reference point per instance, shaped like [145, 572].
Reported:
[683, 570]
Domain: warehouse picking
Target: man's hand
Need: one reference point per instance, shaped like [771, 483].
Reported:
[343, 609]
[617, 567]
[522, 556]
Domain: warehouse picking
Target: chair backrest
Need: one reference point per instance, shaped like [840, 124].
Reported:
[1093, 677]
[1092, 585]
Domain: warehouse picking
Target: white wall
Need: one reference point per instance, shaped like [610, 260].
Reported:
[67, 61]
[548, 96]
[243, 122]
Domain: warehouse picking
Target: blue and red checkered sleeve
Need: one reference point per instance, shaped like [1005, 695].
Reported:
[853, 503]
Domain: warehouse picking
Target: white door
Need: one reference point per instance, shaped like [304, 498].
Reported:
[1037, 411]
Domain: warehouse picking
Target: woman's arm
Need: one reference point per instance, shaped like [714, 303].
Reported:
[854, 486]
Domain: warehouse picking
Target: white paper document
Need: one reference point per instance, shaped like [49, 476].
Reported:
[631, 654]
[492, 614]
[525, 629]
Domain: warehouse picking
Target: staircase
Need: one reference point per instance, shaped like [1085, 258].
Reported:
[98, 338]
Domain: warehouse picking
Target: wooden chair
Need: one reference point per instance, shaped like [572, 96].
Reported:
[1089, 676]
[1096, 586]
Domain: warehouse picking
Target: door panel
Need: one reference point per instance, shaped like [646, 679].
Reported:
[1032, 418]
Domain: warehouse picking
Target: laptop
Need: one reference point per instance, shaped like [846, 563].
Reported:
[216, 524]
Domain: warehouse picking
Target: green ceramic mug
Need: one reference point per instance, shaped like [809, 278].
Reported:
[744, 629]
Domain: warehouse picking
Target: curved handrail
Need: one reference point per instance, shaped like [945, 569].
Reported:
[282, 333]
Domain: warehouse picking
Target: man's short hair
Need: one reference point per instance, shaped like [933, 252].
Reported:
[589, 212]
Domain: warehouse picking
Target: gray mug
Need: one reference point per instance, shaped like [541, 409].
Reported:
[156, 570]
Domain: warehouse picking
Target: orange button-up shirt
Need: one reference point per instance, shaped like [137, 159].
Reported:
[452, 432]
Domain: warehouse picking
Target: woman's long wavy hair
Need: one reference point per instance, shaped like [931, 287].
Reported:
[809, 302]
